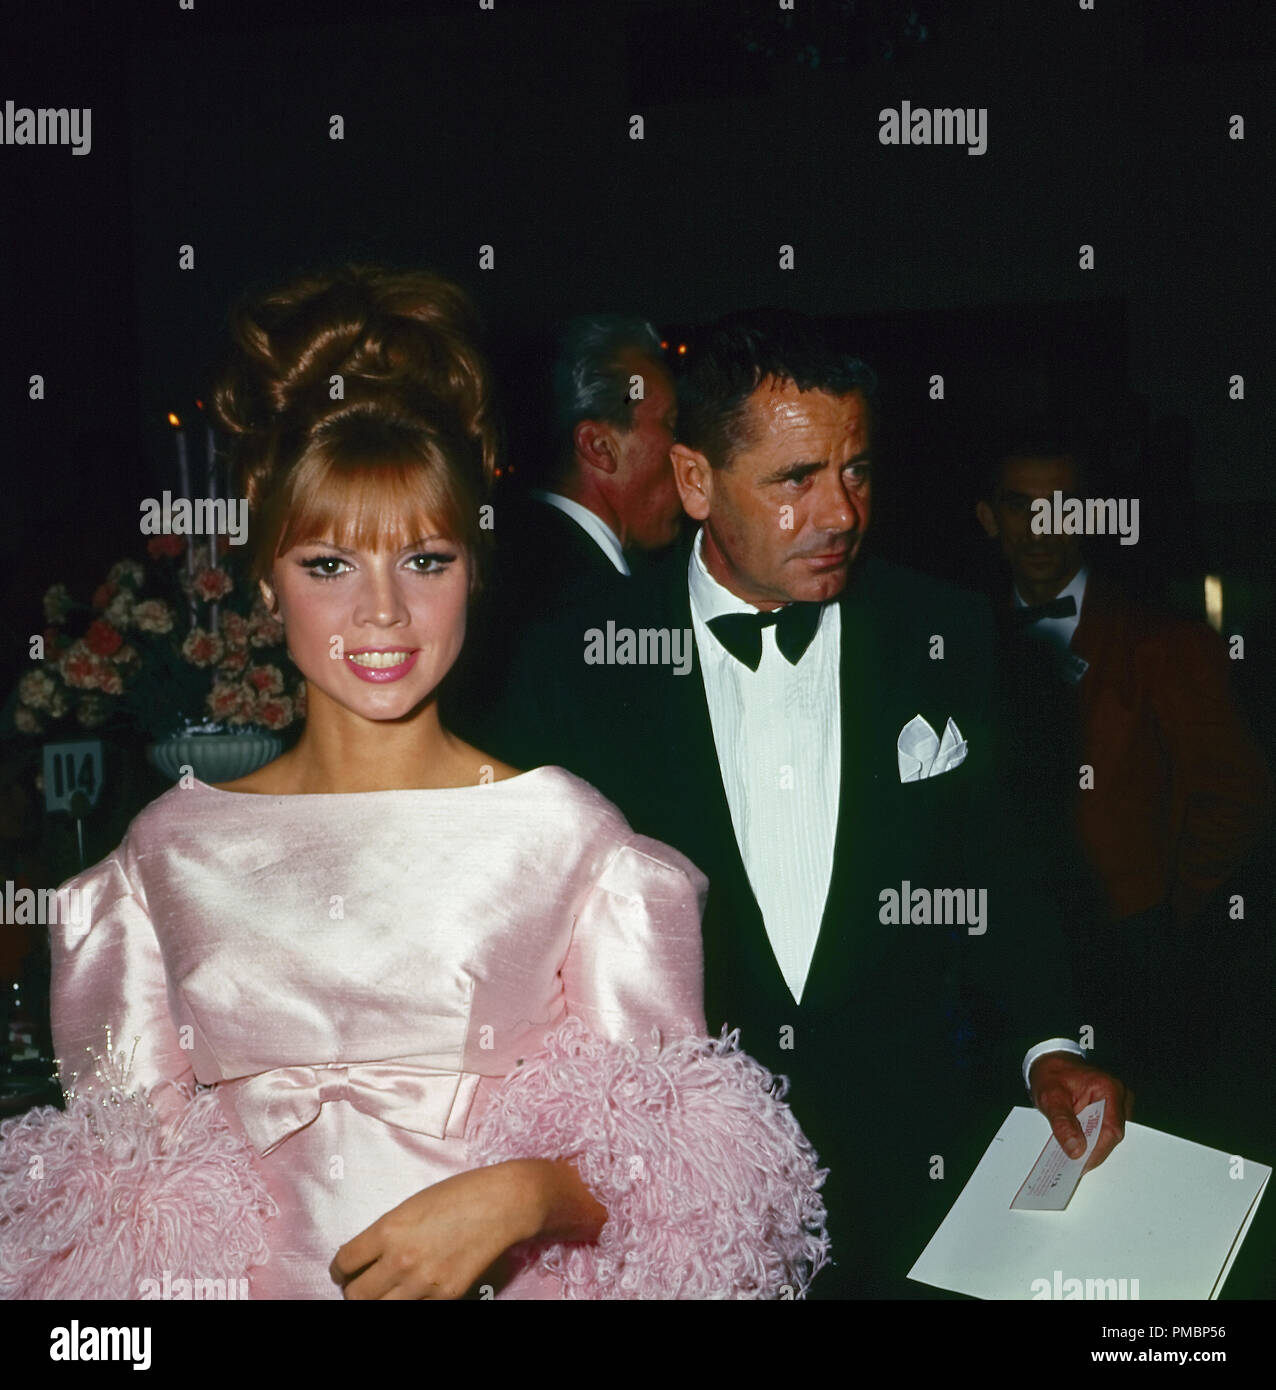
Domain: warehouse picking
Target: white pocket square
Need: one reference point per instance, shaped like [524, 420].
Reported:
[922, 754]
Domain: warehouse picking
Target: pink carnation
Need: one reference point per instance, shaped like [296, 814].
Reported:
[212, 584]
[36, 689]
[111, 682]
[265, 631]
[202, 648]
[79, 667]
[102, 639]
[25, 721]
[234, 630]
[153, 615]
[229, 702]
[274, 712]
[234, 662]
[265, 680]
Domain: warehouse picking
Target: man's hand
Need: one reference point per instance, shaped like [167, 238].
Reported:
[1061, 1085]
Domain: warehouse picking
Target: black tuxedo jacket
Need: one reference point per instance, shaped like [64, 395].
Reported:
[543, 553]
[904, 1051]
[542, 562]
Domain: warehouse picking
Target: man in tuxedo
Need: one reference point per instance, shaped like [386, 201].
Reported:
[595, 427]
[826, 759]
[607, 491]
[1157, 781]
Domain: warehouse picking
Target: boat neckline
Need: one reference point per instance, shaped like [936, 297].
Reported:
[383, 791]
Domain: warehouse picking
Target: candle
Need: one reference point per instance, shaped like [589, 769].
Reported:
[184, 486]
[211, 457]
[183, 467]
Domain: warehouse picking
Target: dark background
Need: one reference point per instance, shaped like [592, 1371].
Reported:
[511, 128]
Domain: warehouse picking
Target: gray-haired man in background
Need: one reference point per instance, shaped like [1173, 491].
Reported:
[593, 488]
[608, 486]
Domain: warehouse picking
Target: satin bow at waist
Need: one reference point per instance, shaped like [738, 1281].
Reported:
[274, 1104]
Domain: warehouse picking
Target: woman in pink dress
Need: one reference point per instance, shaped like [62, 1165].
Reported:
[388, 1018]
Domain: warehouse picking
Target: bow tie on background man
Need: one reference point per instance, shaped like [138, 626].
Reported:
[1056, 608]
[741, 633]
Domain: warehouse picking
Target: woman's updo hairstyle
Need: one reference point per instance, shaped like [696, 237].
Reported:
[358, 408]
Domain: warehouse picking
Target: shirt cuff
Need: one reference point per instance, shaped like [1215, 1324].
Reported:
[1050, 1045]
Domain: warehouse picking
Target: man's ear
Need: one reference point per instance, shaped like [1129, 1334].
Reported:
[988, 520]
[595, 447]
[694, 475]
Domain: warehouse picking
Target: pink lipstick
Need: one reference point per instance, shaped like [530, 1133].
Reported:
[378, 665]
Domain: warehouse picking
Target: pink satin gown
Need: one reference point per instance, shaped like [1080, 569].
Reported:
[362, 976]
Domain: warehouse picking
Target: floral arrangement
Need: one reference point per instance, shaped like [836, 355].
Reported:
[162, 647]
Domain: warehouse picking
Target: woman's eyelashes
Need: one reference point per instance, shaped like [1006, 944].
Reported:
[436, 561]
[313, 565]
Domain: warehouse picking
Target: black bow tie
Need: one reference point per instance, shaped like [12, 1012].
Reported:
[741, 633]
[1056, 608]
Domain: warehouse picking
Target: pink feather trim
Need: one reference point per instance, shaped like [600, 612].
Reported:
[711, 1188]
[101, 1196]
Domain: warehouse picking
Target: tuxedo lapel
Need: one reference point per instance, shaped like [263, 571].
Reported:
[739, 961]
[707, 813]
[842, 954]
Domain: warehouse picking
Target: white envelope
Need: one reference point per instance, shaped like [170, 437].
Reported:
[922, 753]
[1163, 1211]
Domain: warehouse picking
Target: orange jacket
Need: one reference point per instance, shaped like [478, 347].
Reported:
[1181, 790]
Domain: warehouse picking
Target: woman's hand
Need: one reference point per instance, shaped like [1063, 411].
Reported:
[439, 1242]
